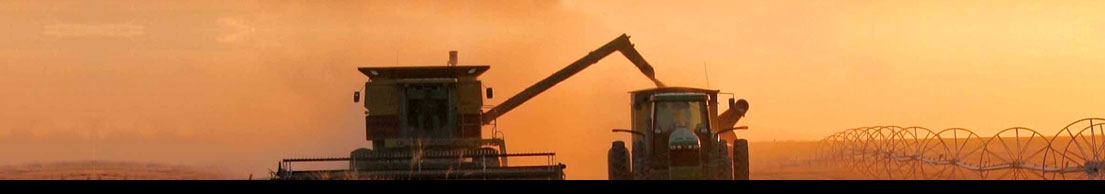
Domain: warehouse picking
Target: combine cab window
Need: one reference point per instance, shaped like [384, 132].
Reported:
[427, 108]
[671, 115]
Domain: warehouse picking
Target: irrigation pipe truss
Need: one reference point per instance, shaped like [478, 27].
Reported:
[1076, 151]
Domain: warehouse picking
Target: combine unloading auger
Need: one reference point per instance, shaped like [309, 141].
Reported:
[620, 44]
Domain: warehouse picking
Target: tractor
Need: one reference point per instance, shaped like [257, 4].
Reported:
[678, 135]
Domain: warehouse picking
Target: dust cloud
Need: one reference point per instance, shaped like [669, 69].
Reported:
[243, 84]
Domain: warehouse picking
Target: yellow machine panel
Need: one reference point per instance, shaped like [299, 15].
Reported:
[469, 97]
[381, 98]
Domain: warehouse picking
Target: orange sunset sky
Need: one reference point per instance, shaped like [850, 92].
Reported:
[243, 84]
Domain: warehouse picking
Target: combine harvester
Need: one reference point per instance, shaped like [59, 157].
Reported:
[426, 123]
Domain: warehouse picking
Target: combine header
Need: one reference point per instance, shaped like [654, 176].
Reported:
[426, 123]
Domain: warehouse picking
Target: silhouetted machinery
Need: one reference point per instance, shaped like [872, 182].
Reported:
[426, 123]
[677, 134]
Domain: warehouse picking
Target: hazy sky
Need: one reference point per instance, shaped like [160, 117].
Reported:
[246, 83]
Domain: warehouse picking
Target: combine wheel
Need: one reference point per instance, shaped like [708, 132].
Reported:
[359, 164]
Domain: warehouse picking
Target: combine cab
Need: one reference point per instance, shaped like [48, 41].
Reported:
[678, 134]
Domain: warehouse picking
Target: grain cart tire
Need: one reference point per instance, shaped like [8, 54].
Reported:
[740, 159]
[618, 162]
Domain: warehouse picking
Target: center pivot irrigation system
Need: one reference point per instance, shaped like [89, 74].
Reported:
[1075, 152]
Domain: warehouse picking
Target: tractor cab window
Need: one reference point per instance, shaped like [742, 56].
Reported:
[673, 115]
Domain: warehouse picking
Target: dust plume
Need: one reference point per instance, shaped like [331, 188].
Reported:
[244, 84]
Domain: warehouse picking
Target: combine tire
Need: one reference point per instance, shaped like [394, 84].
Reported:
[618, 162]
[740, 159]
[359, 164]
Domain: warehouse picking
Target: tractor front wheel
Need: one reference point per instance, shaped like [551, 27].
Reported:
[618, 162]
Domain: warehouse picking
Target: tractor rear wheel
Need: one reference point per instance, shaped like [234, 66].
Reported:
[723, 163]
[740, 159]
[618, 162]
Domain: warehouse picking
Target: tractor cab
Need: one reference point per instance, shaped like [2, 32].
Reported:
[678, 122]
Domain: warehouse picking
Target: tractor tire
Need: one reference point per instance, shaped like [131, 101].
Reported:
[740, 159]
[618, 162]
[723, 163]
[641, 170]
